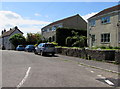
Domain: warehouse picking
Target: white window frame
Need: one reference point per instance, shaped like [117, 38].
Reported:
[107, 39]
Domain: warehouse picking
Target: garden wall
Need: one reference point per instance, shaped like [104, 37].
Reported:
[117, 56]
[107, 55]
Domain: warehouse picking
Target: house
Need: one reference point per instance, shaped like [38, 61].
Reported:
[4, 39]
[76, 22]
[104, 28]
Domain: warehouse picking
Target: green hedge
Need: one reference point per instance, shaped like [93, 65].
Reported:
[63, 33]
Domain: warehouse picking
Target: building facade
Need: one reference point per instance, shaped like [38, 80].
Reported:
[76, 22]
[4, 39]
[104, 28]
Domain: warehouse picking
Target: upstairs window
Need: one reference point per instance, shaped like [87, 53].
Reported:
[105, 20]
[105, 37]
[92, 23]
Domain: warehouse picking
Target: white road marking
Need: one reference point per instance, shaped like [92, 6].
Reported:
[101, 76]
[24, 79]
[79, 65]
[109, 82]
[92, 71]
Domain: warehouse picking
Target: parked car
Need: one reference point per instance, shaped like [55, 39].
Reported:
[30, 48]
[45, 48]
[20, 48]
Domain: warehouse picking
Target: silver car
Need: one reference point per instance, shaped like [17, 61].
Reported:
[45, 48]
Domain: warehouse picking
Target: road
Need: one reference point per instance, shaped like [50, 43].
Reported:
[23, 69]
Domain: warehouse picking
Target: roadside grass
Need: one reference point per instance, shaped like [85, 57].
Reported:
[67, 60]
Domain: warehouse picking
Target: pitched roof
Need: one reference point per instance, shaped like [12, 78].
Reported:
[8, 33]
[59, 21]
[111, 9]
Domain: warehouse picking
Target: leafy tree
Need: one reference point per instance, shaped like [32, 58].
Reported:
[17, 39]
[34, 38]
[75, 40]
[63, 33]
[68, 41]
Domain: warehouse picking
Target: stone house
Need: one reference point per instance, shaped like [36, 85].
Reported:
[76, 22]
[104, 28]
[4, 39]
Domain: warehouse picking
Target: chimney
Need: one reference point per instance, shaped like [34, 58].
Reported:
[16, 27]
[4, 30]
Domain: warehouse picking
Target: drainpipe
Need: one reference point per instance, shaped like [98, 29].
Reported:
[118, 26]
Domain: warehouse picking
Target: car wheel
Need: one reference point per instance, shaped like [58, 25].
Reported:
[53, 54]
[35, 52]
[42, 53]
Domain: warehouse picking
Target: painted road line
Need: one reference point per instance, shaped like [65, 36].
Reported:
[92, 71]
[109, 82]
[101, 76]
[24, 79]
[79, 65]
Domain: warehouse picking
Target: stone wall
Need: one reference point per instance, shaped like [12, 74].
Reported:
[108, 55]
[117, 56]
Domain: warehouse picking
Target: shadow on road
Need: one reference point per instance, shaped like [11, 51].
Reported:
[50, 56]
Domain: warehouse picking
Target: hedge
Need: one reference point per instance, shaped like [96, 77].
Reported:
[63, 33]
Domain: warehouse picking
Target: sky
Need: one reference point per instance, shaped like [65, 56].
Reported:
[32, 16]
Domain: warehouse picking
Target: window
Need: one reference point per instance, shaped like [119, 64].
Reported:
[53, 28]
[105, 20]
[105, 37]
[60, 26]
[93, 38]
[92, 23]
[48, 30]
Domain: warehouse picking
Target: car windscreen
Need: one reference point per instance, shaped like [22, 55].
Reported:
[31, 46]
[49, 45]
[20, 46]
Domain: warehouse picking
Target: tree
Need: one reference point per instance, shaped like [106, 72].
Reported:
[34, 38]
[17, 39]
[75, 40]
[63, 33]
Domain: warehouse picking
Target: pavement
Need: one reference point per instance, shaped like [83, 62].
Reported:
[97, 64]
[23, 69]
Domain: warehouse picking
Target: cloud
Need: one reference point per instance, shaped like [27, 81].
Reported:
[9, 19]
[37, 14]
[85, 17]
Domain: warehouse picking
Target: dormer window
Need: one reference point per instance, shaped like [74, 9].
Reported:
[105, 20]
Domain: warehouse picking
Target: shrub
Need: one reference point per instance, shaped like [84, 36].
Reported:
[109, 47]
[63, 33]
[102, 47]
[56, 44]
[17, 39]
[68, 41]
[116, 47]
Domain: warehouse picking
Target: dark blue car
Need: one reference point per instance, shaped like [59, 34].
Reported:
[30, 48]
[20, 48]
